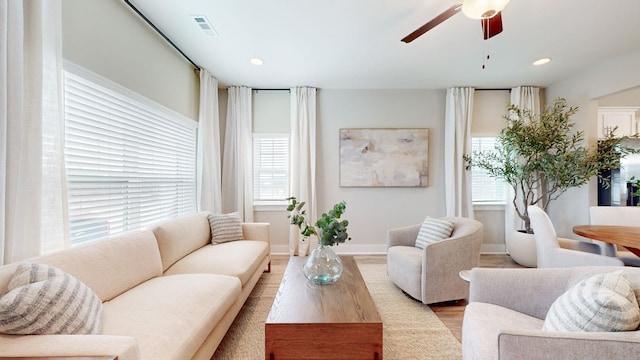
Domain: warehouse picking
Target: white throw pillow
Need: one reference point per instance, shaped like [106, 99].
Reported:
[42, 299]
[433, 230]
[225, 227]
[603, 302]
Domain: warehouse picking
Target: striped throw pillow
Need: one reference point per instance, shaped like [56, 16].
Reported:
[604, 302]
[433, 230]
[225, 227]
[42, 299]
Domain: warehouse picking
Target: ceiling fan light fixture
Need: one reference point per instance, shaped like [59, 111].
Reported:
[256, 61]
[483, 9]
[541, 61]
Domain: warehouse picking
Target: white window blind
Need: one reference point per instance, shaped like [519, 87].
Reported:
[484, 188]
[129, 163]
[270, 167]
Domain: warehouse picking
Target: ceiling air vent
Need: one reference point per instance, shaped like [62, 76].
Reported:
[205, 25]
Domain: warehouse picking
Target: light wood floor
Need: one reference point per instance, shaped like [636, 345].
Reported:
[450, 313]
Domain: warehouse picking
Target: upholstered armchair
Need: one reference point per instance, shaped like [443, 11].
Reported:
[549, 252]
[507, 310]
[431, 274]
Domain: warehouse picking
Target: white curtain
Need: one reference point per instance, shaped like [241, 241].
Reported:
[457, 143]
[33, 213]
[237, 168]
[209, 168]
[302, 178]
[525, 97]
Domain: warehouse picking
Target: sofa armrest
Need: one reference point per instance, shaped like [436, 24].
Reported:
[257, 231]
[125, 347]
[404, 236]
[546, 345]
[529, 291]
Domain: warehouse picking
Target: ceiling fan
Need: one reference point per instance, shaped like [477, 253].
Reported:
[487, 11]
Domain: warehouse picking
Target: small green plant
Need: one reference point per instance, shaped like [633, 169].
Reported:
[329, 228]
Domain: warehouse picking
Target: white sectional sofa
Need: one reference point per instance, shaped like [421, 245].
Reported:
[166, 292]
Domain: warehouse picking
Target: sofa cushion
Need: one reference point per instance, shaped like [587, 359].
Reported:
[180, 236]
[433, 230]
[603, 302]
[484, 322]
[171, 316]
[237, 258]
[45, 300]
[225, 227]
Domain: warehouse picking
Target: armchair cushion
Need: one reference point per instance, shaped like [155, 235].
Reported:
[225, 227]
[433, 230]
[603, 302]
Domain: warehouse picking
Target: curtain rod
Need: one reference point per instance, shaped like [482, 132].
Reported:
[197, 68]
[272, 89]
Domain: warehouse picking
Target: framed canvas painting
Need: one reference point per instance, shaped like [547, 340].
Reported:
[384, 157]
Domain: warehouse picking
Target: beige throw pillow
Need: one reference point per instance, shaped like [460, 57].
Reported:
[42, 299]
[225, 227]
[433, 230]
[603, 302]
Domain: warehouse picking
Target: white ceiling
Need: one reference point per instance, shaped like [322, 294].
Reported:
[355, 44]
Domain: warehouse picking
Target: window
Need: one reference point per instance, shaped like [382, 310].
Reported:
[270, 167]
[129, 162]
[486, 189]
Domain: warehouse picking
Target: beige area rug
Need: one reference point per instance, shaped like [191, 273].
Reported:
[410, 329]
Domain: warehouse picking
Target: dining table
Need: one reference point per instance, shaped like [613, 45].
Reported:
[627, 236]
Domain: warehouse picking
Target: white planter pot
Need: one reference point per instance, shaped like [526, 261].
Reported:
[522, 248]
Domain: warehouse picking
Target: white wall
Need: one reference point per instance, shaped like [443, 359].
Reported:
[584, 90]
[108, 38]
[372, 211]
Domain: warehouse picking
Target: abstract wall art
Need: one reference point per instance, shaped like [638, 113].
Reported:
[384, 157]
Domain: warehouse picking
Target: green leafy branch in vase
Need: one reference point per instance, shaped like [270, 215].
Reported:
[329, 228]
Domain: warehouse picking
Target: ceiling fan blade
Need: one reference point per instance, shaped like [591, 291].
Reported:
[433, 23]
[492, 26]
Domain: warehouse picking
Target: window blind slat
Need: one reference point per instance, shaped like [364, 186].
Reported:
[128, 164]
[270, 167]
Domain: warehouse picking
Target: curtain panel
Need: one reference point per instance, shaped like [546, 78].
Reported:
[237, 166]
[209, 170]
[33, 212]
[302, 178]
[457, 143]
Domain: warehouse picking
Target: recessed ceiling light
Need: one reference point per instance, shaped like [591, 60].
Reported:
[256, 61]
[541, 61]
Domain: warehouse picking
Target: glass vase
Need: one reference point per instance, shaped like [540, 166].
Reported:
[323, 265]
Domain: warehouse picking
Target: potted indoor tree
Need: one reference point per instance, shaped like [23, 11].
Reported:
[541, 157]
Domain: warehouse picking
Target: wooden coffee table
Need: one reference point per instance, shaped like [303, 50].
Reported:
[335, 321]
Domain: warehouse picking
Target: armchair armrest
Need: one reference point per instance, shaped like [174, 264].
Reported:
[257, 231]
[404, 236]
[545, 345]
[125, 347]
[442, 262]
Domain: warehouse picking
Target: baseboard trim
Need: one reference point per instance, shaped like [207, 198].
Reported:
[344, 249]
[493, 249]
[348, 249]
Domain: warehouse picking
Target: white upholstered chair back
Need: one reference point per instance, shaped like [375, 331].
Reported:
[549, 252]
